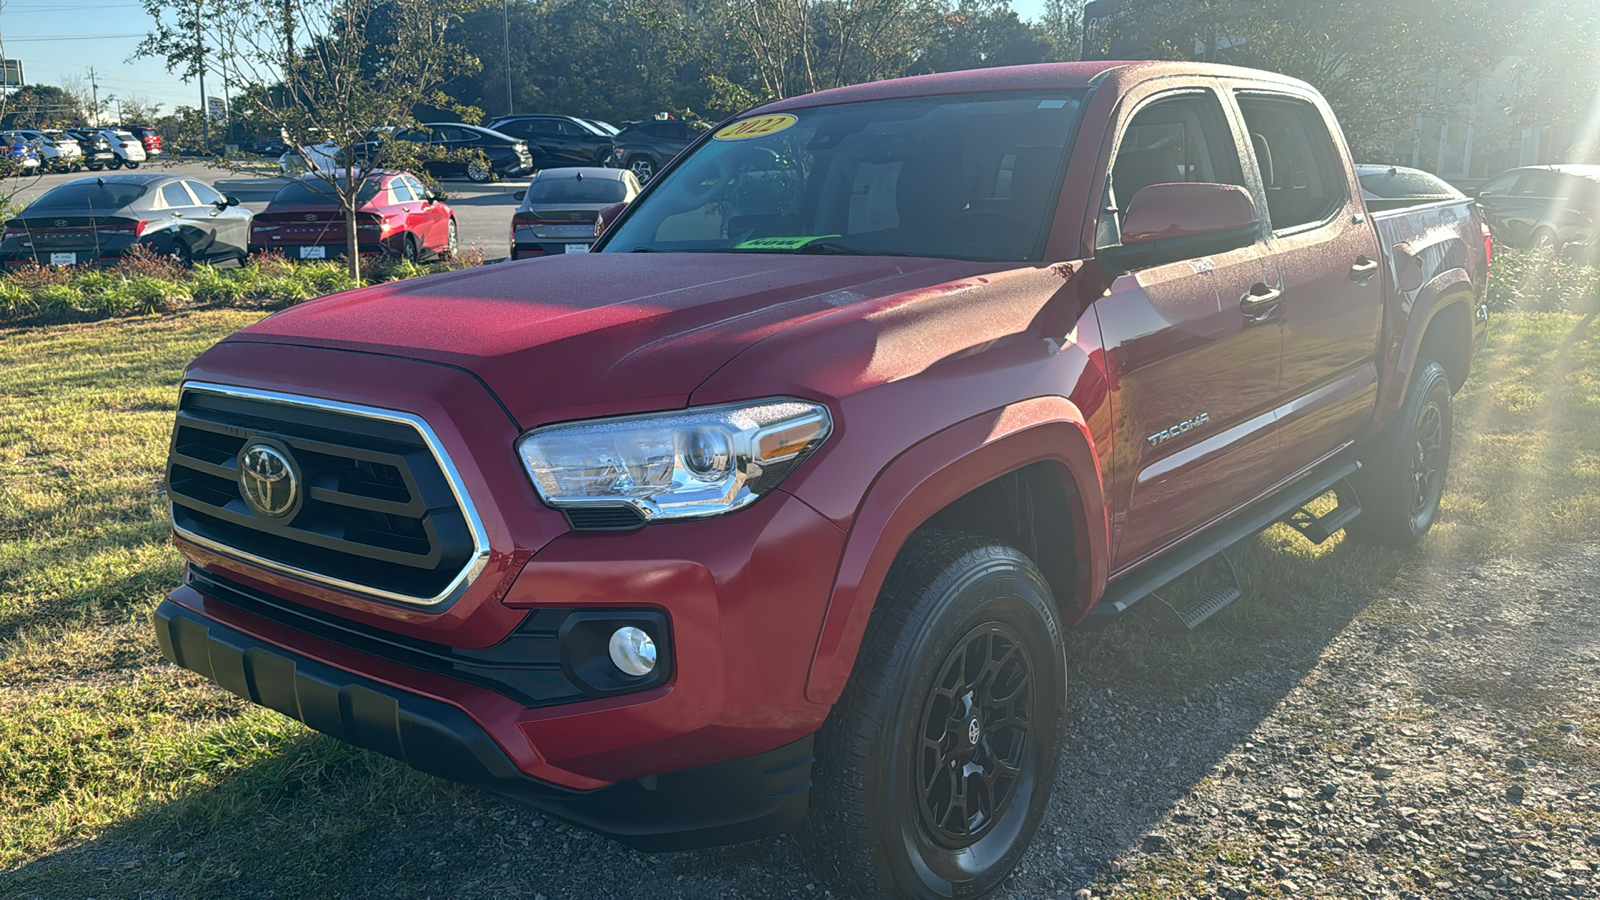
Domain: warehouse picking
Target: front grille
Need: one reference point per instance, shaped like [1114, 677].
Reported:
[378, 512]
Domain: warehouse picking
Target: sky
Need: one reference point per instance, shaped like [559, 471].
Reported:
[67, 37]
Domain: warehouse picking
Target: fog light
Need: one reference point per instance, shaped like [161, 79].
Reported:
[633, 651]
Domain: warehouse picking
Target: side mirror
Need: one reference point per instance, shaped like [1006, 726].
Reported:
[1474, 193]
[429, 196]
[520, 196]
[230, 200]
[607, 216]
[1166, 223]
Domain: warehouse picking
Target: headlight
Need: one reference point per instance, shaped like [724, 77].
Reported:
[677, 465]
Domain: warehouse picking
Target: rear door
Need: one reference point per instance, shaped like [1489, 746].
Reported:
[1195, 366]
[409, 205]
[432, 217]
[1327, 259]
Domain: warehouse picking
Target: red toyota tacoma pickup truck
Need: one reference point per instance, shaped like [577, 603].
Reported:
[779, 503]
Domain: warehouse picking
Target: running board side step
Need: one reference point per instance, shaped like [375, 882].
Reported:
[1223, 589]
[1317, 529]
[1122, 593]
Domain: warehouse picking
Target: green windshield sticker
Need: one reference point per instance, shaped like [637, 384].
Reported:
[780, 243]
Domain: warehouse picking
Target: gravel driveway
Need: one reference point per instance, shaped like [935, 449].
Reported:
[1438, 738]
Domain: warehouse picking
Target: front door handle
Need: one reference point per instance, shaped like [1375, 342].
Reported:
[1260, 303]
[1363, 270]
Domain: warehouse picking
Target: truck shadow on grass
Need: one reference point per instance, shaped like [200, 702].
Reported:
[1150, 715]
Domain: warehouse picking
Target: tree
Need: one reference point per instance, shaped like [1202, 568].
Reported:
[1380, 63]
[41, 106]
[349, 72]
[137, 109]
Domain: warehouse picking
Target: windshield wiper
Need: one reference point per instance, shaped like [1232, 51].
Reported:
[830, 248]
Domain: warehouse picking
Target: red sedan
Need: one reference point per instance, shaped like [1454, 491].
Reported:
[397, 215]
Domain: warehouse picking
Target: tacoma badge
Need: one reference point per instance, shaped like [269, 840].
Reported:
[1170, 433]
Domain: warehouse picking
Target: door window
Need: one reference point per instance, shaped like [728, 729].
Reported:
[416, 186]
[1300, 166]
[402, 191]
[175, 196]
[204, 193]
[1539, 184]
[1500, 184]
[1173, 139]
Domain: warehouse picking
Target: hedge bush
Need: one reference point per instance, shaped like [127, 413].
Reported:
[144, 283]
[1541, 282]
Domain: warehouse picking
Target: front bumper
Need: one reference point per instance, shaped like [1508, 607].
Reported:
[726, 802]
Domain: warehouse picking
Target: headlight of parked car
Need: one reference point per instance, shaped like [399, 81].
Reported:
[676, 465]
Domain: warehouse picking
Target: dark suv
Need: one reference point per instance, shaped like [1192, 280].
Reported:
[1544, 207]
[644, 147]
[558, 140]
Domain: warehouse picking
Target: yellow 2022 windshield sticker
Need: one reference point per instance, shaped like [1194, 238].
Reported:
[759, 126]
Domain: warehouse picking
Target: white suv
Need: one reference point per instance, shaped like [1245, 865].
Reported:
[128, 150]
[57, 156]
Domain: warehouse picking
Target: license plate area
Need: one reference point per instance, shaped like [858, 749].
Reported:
[63, 259]
[318, 252]
[576, 248]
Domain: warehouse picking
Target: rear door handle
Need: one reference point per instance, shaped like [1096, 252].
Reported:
[1364, 269]
[1260, 303]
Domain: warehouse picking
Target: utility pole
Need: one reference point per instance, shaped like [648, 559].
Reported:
[200, 60]
[505, 22]
[95, 87]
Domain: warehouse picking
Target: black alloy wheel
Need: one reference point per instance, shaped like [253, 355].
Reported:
[1401, 482]
[935, 767]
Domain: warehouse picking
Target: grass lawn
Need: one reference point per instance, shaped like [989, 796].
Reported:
[108, 749]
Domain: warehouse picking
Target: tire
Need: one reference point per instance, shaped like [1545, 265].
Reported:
[1403, 472]
[180, 253]
[478, 173]
[409, 251]
[872, 829]
[452, 244]
[643, 168]
[114, 163]
[93, 167]
[131, 164]
[1544, 240]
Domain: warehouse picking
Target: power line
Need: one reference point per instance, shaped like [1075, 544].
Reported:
[77, 37]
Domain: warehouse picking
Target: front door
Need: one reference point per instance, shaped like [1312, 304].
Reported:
[1194, 363]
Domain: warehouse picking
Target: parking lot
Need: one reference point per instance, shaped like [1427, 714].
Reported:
[483, 211]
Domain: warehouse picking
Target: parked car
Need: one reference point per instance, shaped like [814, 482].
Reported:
[1552, 208]
[601, 126]
[1393, 187]
[20, 151]
[561, 209]
[323, 156]
[273, 147]
[98, 219]
[56, 156]
[96, 147]
[644, 147]
[397, 216]
[148, 138]
[557, 141]
[781, 501]
[126, 149]
[507, 156]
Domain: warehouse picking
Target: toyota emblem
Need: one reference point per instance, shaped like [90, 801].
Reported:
[269, 480]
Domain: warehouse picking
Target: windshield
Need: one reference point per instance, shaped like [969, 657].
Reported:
[319, 191]
[971, 176]
[87, 194]
[572, 190]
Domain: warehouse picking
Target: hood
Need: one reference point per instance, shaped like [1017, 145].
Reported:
[586, 335]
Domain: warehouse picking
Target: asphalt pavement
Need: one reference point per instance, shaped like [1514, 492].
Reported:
[483, 211]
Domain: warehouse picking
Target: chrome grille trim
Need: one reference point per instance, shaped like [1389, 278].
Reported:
[480, 538]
